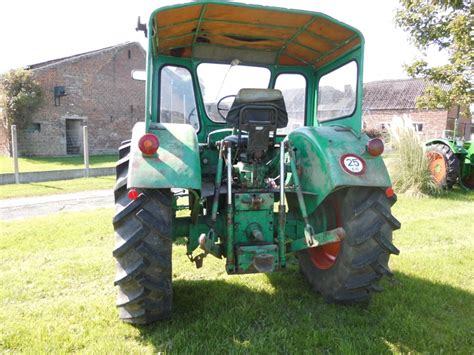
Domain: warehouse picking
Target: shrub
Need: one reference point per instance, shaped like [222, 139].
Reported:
[20, 97]
[374, 133]
[408, 165]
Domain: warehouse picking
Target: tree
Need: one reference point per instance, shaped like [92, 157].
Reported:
[20, 97]
[446, 25]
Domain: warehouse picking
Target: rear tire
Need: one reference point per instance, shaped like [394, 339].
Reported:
[361, 259]
[444, 165]
[143, 230]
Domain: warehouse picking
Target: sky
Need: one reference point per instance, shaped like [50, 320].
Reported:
[33, 31]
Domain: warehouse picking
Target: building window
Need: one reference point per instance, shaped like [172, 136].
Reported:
[59, 91]
[33, 128]
[418, 126]
[129, 54]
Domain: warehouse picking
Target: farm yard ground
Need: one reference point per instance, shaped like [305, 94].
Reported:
[25, 207]
[57, 294]
[35, 189]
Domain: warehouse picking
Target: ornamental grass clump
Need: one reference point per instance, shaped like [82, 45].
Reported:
[409, 166]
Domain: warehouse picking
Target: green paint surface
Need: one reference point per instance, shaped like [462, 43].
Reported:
[319, 151]
[176, 164]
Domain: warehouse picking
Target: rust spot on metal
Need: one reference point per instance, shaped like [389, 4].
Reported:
[256, 202]
[299, 169]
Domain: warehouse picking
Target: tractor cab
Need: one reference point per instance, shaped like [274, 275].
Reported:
[253, 128]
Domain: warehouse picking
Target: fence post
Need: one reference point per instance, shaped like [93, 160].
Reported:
[15, 154]
[86, 150]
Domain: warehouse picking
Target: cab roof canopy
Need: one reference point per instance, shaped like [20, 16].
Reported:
[209, 30]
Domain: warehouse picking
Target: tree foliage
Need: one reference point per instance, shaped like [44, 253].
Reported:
[447, 25]
[20, 97]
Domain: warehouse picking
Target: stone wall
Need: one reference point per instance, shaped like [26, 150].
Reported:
[100, 93]
[429, 124]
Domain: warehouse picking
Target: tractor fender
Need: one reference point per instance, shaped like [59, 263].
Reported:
[455, 148]
[469, 147]
[320, 155]
[176, 164]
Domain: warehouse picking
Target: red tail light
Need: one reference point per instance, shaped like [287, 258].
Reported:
[148, 144]
[389, 192]
[375, 147]
[132, 194]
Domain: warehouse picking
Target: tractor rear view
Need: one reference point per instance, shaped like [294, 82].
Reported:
[253, 128]
[451, 158]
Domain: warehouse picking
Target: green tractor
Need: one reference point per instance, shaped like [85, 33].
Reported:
[451, 158]
[252, 151]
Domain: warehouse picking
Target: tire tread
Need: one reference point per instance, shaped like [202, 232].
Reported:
[143, 230]
[364, 255]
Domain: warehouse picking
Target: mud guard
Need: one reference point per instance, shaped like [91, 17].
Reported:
[176, 163]
[455, 148]
[320, 155]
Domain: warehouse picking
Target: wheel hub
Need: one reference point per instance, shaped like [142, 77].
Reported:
[325, 256]
[437, 166]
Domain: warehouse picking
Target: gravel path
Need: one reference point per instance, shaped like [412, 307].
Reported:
[25, 207]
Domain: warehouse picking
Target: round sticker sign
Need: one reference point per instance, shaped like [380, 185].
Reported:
[353, 164]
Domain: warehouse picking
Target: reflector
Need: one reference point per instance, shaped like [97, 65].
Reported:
[148, 144]
[375, 147]
[132, 194]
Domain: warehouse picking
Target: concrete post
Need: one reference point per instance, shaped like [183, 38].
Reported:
[15, 154]
[86, 151]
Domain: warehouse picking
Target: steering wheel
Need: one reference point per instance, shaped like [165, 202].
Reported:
[223, 109]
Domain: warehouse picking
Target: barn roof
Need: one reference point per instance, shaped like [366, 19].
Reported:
[394, 94]
[79, 56]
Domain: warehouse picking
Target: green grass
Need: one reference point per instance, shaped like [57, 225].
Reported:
[57, 294]
[56, 187]
[55, 163]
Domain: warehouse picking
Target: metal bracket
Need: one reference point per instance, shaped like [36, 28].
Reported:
[198, 259]
[309, 235]
[141, 27]
[314, 240]
[208, 243]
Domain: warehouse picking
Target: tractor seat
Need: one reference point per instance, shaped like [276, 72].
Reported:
[256, 114]
[252, 106]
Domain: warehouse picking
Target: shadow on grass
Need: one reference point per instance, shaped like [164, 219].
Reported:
[284, 316]
[457, 194]
[46, 186]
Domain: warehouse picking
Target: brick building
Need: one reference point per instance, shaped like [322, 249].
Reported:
[93, 89]
[383, 100]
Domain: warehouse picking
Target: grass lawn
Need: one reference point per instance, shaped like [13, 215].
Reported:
[55, 163]
[57, 294]
[56, 187]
